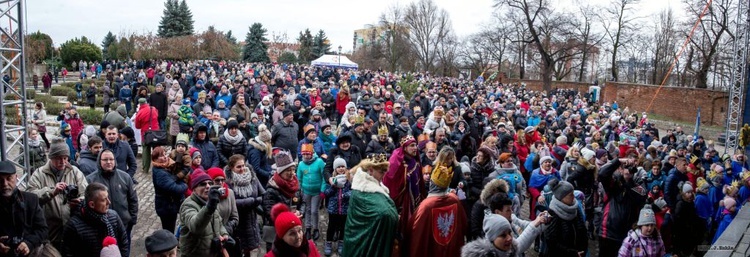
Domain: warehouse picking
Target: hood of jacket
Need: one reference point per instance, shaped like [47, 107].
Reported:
[495, 186]
[200, 127]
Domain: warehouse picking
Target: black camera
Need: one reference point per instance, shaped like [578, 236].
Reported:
[217, 245]
[70, 192]
[13, 242]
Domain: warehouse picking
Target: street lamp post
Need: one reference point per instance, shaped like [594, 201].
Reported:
[339, 56]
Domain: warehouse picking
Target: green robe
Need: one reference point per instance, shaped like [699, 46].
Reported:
[370, 225]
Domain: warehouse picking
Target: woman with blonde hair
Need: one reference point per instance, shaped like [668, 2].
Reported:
[571, 157]
[446, 160]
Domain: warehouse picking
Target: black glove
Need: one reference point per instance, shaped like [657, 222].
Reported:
[258, 200]
[229, 243]
[213, 198]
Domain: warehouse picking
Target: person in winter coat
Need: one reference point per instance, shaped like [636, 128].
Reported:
[498, 240]
[380, 144]
[201, 222]
[107, 96]
[481, 207]
[688, 227]
[223, 109]
[123, 153]
[169, 188]
[116, 117]
[76, 124]
[481, 167]
[676, 176]
[311, 137]
[644, 240]
[345, 150]
[337, 196]
[49, 183]
[174, 119]
[284, 133]
[509, 172]
[209, 154]
[289, 239]
[174, 91]
[91, 95]
[582, 176]
[327, 138]
[146, 120]
[122, 196]
[260, 154]
[282, 188]
[626, 197]
[159, 101]
[87, 159]
[312, 179]
[37, 152]
[241, 109]
[125, 95]
[727, 216]
[227, 204]
[88, 227]
[565, 235]
[248, 193]
[28, 222]
[231, 142]
[539, 178]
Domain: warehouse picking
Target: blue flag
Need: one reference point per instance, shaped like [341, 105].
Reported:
[697, 125]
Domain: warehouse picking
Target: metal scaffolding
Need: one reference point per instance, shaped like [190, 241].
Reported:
[13, 94]
[739, 76]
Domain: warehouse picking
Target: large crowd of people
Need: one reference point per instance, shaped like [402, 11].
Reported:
[257, 153]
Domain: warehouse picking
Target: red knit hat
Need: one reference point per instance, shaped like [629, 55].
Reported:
[197, 178]
[192, 151]
[216, 172]
[283, 219]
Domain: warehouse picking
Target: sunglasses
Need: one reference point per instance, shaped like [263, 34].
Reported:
[207, 183]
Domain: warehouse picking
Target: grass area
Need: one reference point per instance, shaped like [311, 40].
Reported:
[684, 124]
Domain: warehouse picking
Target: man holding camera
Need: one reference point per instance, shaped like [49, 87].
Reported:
[92, 223]
[203, 232]
[59, 187]
[20, 237]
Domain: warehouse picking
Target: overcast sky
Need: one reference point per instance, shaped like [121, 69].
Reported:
[66, 19]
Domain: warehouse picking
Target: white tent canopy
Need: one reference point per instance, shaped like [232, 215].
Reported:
[332, 60]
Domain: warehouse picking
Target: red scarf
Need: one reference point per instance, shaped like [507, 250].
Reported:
[288, 187]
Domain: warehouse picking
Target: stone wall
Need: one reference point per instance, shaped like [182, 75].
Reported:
[674, 102]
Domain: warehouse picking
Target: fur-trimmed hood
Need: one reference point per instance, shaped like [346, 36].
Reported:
[493, 187]
[484, 248]
[362, 181]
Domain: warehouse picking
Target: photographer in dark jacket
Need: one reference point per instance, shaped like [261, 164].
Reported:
[29, 228]
[86, 230]
[621, 208]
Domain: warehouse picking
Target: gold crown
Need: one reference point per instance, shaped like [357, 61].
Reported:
[712, 174]
[442, 176]
[745, 175]
[383, 130]
[406, 139]
[378, 158]
[359, 120]
[735, 184]
[694, 159]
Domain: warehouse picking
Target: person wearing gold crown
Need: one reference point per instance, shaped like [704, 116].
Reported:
[380, 144]
[358, 136]
[439, 224]
[370, 227]
[744, 192]
[406, 185]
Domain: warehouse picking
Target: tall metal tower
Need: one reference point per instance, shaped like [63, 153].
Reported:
[739, 76]
[13, 94]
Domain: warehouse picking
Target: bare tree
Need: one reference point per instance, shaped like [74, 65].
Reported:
[428, 25]
[394, 45]
[476, 53]
[711, 38]
[587, 37]
[548, 32]
[619, 27]
[666, 45]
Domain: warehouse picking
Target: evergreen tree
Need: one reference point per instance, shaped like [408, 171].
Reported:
[305, 41]
[109, 39]
[177, 20]
[80, 49]
[231, 37]
[255, 49]
[321, 45]
[287, 57]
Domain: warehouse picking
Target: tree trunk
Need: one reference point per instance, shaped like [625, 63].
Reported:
[614, 64]
[547, 73]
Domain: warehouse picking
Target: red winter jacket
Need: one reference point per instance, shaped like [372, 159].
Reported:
[142, 119]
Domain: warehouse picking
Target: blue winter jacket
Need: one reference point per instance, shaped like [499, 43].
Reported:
[311, 176]
[338, 199]
[209, 153]
[169, 192]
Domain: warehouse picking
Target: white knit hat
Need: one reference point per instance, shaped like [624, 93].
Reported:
[587, 153]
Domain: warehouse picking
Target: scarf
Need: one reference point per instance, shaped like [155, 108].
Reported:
[288, 187]
[164, 165]
[243, 184]
[234, 140]
[566, 212]
[98, 217]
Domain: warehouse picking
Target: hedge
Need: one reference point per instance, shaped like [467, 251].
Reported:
[90, 116]
[30, 93]
[61, 91]
[51, 104]
[73, 98]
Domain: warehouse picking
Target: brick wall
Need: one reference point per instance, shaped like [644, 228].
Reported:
[673, 102]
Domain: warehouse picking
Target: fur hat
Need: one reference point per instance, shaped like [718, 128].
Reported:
[646, 217]
[58, 148]
[283, 161]
[283, 219]
[197, 178]
[493, 187]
